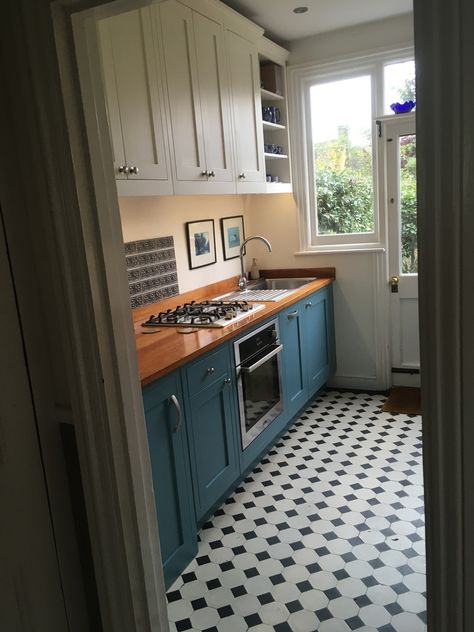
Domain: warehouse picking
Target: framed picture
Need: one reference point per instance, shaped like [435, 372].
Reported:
[201, 243]
[232, 229]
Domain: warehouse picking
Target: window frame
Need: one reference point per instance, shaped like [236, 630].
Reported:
[301, 78]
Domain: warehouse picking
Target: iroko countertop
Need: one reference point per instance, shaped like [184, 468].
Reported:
[162, 352]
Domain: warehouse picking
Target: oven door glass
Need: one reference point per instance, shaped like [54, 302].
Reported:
[261, 396]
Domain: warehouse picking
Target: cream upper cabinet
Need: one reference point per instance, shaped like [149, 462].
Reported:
[133, 84]
[247, 115]
[198, 92]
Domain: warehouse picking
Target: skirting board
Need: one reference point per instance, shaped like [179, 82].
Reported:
[359, 382]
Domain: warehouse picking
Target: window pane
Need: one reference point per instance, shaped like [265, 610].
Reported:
[341, 120]
[409, 245]
[399, 84]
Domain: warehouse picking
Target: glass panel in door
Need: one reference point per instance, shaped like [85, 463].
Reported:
[408, 228]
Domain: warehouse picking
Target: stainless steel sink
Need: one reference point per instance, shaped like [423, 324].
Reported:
[280, 284]
[267, 290]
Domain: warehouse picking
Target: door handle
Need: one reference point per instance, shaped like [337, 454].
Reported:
[174, 401]
[292, 315]
[394, 281]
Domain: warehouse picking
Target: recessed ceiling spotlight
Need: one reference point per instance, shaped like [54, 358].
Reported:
[300, 9]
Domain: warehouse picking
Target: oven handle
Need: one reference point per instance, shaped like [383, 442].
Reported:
[253, 367]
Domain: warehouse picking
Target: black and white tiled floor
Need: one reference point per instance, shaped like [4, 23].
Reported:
[326, 534]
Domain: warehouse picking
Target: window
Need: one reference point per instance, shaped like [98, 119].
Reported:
[341, 123]
[334, 163]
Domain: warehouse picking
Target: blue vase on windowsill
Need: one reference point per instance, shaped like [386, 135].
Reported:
[402, 108]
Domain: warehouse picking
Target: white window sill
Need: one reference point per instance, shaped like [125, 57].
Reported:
[339, 250]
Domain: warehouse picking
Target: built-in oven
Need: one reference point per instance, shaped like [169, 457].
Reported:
[258, 368]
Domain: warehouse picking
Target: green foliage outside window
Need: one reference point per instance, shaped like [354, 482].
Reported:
[344, 188]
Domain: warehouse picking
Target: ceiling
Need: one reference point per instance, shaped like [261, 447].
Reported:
[281, 24]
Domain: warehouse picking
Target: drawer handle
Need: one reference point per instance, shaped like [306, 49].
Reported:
[227, 380]
[308, 305]
[174, 401]
[293, 314]
[211, 370]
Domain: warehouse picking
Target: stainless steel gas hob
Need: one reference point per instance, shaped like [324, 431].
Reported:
[204, 314]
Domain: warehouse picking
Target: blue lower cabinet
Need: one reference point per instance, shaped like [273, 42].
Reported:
[194, 433]
[212, 429]
[294, 381]
[307, 333]
[167, 441]
[318, 336]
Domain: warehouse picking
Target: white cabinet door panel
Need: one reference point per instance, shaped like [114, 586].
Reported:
[133, 82]
[246, 110]
[183, 91]
[214, 92]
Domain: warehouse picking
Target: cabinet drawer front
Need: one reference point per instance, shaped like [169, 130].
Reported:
[207, 370]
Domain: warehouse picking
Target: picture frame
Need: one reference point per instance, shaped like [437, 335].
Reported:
[233, 235]
[201, 241]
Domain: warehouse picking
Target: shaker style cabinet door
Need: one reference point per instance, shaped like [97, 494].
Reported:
[212, 427]
[133, 84]
[319, 351]
[246, 114]
[166, 430]
[292, 337]
[196, 76]
[214, 93]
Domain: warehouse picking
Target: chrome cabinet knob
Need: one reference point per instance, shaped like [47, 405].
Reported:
[134, 170]
[242, 175]
[204, 173]
[211, 174]
[227, 380]
[123, 169]
[308, 305]
[210, 370]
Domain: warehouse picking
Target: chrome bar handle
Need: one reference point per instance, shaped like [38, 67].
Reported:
[253, 367]
[174, 401]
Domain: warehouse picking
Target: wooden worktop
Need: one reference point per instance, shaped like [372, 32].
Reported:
[161, 352]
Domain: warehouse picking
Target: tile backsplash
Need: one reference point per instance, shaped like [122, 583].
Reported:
[151, 267]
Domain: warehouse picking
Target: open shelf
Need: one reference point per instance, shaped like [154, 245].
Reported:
[278, 187]
[275, 156]
[268, 125]
[270, 96]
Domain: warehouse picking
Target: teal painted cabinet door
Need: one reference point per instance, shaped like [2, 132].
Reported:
[291, 334]
[167, 442]
[318, 350]
[212, 428]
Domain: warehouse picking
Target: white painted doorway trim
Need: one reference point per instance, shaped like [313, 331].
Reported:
[445, 50]
[403, 304]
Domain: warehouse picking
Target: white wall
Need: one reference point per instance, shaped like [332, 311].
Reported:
[381, 35]
[144, 217]
[276, 217]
